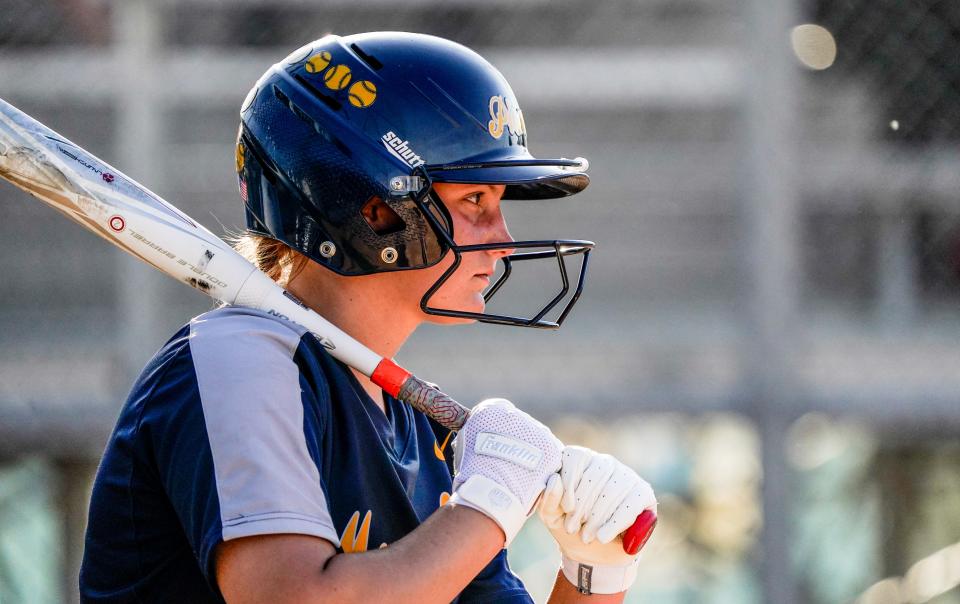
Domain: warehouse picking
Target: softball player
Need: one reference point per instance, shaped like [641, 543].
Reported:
[247, 463]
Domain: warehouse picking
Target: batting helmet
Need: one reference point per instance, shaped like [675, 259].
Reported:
[346, 128]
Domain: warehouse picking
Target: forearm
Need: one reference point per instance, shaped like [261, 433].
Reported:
[564, 592]
[431, 564]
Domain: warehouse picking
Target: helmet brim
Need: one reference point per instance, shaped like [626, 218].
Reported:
[523, 182]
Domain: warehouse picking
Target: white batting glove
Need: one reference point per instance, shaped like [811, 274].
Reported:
[586, 506]
[502, 458]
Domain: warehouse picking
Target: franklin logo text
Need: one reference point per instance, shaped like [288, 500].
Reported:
[509, 449]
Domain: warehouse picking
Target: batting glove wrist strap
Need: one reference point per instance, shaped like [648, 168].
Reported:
[595, 567]
[488, 496]
[599, 579]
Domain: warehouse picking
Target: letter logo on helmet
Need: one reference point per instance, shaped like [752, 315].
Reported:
[504, 117]
[312, 173]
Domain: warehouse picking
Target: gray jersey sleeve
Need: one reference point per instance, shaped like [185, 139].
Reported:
[253, 408]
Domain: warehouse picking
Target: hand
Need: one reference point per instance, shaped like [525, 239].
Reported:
[502, 458]
[586, 506]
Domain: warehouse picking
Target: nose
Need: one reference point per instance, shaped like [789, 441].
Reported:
[498, 233]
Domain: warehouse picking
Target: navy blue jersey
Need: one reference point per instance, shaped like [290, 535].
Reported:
[244, 425]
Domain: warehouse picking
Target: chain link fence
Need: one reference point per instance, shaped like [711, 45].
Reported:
[898, 60]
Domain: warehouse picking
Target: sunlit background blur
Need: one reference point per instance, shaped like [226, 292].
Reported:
[771, 327]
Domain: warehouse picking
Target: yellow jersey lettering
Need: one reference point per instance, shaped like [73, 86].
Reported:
[353, 540]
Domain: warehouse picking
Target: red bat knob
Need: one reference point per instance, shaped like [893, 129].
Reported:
[635, 537]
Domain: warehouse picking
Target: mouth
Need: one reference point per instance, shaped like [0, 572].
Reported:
[485, 275]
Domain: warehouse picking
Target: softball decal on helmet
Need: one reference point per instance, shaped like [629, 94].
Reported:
[318, 62]
[338, 77]
[362, 93]
[240, 151]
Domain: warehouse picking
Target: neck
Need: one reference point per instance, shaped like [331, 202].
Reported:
[363, 307]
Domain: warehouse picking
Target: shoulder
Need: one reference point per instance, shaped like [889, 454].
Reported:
[235, 332]
[235, 346]
[235, 382]
[244, 358]
[231, 363]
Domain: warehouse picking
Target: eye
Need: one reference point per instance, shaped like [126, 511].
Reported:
[473, 198]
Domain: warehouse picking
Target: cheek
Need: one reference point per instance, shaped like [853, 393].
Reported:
[429, 276]
[459, 291]
[466, 232]
[423, 279]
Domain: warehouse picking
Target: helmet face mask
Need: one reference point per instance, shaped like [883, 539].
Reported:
[557, 249]
[341, 143]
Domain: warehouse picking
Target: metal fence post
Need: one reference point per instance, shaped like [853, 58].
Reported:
[770, 250]
[137, 46]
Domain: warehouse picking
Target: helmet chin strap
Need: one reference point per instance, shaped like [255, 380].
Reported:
[559, 249]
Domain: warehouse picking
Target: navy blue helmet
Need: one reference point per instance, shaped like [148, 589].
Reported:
[340, 143]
